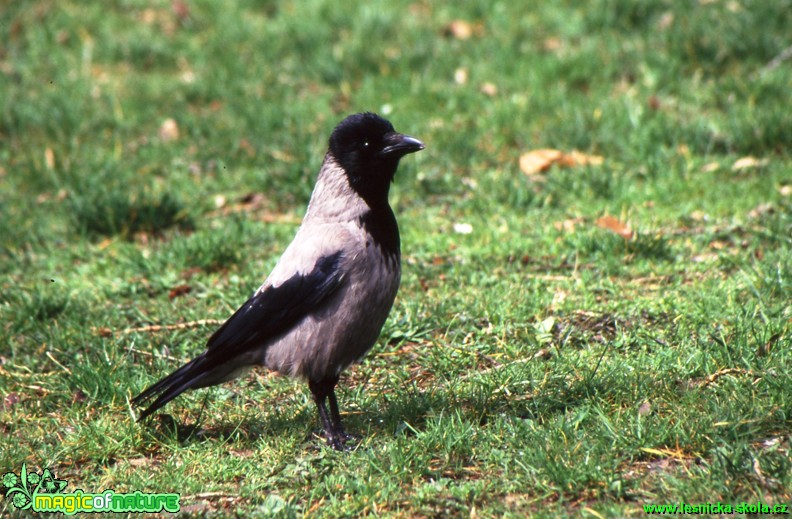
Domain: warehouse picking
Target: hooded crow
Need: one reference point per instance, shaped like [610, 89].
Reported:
[323, 306]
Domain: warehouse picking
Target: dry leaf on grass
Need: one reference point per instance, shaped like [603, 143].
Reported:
[761, 210]
[539, 161]
[49, 158]
[748, 162]
[568, 225]
[179, 291]
[169, 130]
[552, 44]
[577, 158]
[710, 167]
[615, 225]
[461, 76]
[489, 89]
[459, 29]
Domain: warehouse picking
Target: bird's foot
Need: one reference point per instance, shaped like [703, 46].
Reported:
[341, 440]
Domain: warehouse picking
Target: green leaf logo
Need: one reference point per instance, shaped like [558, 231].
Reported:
[21, 489]
[49, 484]
[18, 490]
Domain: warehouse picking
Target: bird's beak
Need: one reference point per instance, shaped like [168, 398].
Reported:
[399, 145]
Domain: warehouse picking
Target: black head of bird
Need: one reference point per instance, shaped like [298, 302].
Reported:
[368, 149]
[323, 305]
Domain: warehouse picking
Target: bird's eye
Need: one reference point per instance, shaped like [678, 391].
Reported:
[365, 144]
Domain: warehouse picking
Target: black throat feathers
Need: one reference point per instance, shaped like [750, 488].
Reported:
[380, 224]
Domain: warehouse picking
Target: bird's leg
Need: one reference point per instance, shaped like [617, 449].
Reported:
[336, 417]
[334, 431]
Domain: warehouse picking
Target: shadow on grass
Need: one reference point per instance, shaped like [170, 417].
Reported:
[405, 411]
[107, 211]
[404, 415]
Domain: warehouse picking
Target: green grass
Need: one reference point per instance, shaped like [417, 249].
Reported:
[538, 365]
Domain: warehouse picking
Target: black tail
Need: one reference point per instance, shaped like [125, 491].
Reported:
[192, 375]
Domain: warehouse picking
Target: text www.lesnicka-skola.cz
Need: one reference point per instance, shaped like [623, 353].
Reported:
[717, 508]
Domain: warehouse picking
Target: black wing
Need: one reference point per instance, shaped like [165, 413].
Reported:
[267, 314]
[274, 310]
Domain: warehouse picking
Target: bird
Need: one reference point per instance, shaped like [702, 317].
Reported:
[324, 304]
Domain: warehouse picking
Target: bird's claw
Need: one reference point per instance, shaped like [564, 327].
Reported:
[342, 441]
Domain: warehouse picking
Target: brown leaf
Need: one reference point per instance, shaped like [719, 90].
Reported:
[49, 158]
[748, 163]
[710, 167]
[568, 225]
[615, 225]
[539, 161]
[179, 291]
[169, 130]
[489, 89]
[552, 44]
[459, 29]
[575, 158]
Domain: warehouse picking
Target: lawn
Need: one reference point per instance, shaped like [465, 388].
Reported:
[586, 331]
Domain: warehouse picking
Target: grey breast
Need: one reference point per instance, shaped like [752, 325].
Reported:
[342, 330]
